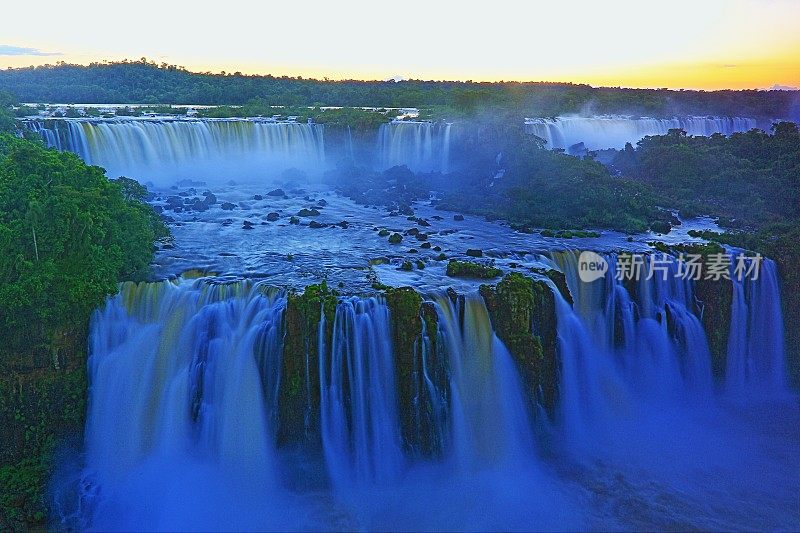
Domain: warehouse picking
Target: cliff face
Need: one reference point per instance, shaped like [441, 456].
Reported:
[523, 316]
[714, 302]
[42, 404]
[790, 300]
[298, 398]
[43, 393]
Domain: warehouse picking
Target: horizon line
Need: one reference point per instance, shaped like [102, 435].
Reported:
[326, 79]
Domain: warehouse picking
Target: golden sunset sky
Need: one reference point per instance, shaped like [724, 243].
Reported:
[706, 44]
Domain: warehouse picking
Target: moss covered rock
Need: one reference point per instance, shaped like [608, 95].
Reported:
[714, 301]
[298, 402]
[523, 316]
[559, 280]
[405, 306]
[790, 300]
[469, 269]
[42, 403]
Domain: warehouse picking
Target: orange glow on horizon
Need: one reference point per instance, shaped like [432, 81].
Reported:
[690, 44]
[784, 72]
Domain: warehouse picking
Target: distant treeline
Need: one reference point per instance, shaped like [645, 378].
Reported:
[146, 82]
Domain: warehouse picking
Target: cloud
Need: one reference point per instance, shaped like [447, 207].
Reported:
[777, 87]
[8, 50]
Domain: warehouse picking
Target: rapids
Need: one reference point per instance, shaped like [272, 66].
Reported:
[188, 389]
[185, 378]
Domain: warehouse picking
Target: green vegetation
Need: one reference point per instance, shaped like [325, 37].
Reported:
[515, 304]
[67, 236]
[569, 234]
[147, 82]
[7, 102]
[469, 269]
[546, 189]
[36, 410]
[358, 119]
[748, 179]
[405, 307]
[300, 348]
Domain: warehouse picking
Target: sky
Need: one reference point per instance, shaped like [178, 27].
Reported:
[705, 44]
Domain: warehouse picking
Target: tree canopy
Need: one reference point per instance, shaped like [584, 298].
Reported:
[146, 82]
[750, 179]
[67, 235]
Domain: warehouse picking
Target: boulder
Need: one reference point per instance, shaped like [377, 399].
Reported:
[660, 226]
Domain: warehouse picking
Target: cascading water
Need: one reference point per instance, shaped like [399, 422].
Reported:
[615, 349]
[487, 475]
[489, 423]
[183, 395]
[169, 149]
[49, 132]
[421, 146]
[184, 407]
[657, 338]
[756, 359]
[360, 432]
[638, 410]
[612, 131]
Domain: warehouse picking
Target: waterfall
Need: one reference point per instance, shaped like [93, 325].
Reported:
[756, 359]
[50, 135]
[637, 412]
[430, 403]
[360, 425]
[656, 338]
[623, 344]
[170, 149]
[613, 131]
[184, 410]
[183, 396]
[617, 350]
[489, 422]
[421, 146]
[350, 150]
